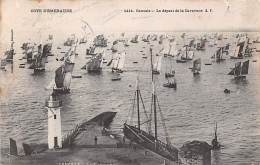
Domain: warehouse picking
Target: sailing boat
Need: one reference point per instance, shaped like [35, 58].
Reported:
[118, 62]
[40, 59]
[185, 55]
[100, 41]
[170, 48]
[196, 66]
[239, 71]
[145, 138]
[157, 65]
[63, 74]
[8, 55]
[95, 64]
[201, 45]
[214, 142]
[169, 68]
[240, 48]
[219, 55]
[171, 82]
[257, 40]
[135, 39]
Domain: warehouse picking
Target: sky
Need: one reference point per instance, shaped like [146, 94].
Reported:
[105, 16]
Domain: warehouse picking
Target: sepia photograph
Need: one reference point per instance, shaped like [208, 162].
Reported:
[134, 82]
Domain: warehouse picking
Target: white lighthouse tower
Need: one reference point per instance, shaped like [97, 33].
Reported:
[53, 105]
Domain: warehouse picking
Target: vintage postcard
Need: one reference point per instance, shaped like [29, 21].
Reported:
[133, 82]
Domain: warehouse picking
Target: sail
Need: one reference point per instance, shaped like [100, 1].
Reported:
[68, 67]
[157, 63]
[121, 61]
[197, 65]
[173, 49]
[13, 147]
[27, 149]
[115, 60]
[59, 77]
[236, 52]
[67, 80]
[245, 66]
[232, 72]
[190, 55]
[237, 70]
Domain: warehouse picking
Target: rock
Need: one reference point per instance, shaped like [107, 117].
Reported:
[195, 152]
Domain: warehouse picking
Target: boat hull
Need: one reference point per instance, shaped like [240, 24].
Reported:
[170, 85]
[149, 142]
[181, 61]
[61, 91]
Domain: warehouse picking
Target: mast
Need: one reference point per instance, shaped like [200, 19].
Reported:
[12, 51]
[137, 100]
[216, 132]
[154, 100]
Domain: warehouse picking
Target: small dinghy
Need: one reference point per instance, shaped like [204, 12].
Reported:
[227, 91]
[208, 63]
[170, 85]
[116, 77]
[76, 76]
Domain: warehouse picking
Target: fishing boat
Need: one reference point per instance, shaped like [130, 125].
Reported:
[118, 62]
[185, 55]
[100, 41]
[95, 64]
[201, 44]
[8, 55]
[145, 138]
[145, 38]
[257, 40]
[91, 50]
[240, 48]
[118, 45]
[39, 60]
[70, 41]
[169, 68]
[240, 71]
[135, 39]
[83, 40]
[116, 77]
[170, 48]
[171, 83]
[218, 55]
[215, 144]
[196, 66]
[157, 64]
[63, 74]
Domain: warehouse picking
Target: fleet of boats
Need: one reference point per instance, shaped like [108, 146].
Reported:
[36, 55]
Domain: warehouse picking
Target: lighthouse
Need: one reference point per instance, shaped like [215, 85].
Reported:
[53, 104]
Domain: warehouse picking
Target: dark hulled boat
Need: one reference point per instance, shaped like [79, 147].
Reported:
[196, 66]
[95, 64]
[240, 71]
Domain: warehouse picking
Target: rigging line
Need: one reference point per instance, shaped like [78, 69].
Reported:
[143, 106]
[163, 123]
[132, 114]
